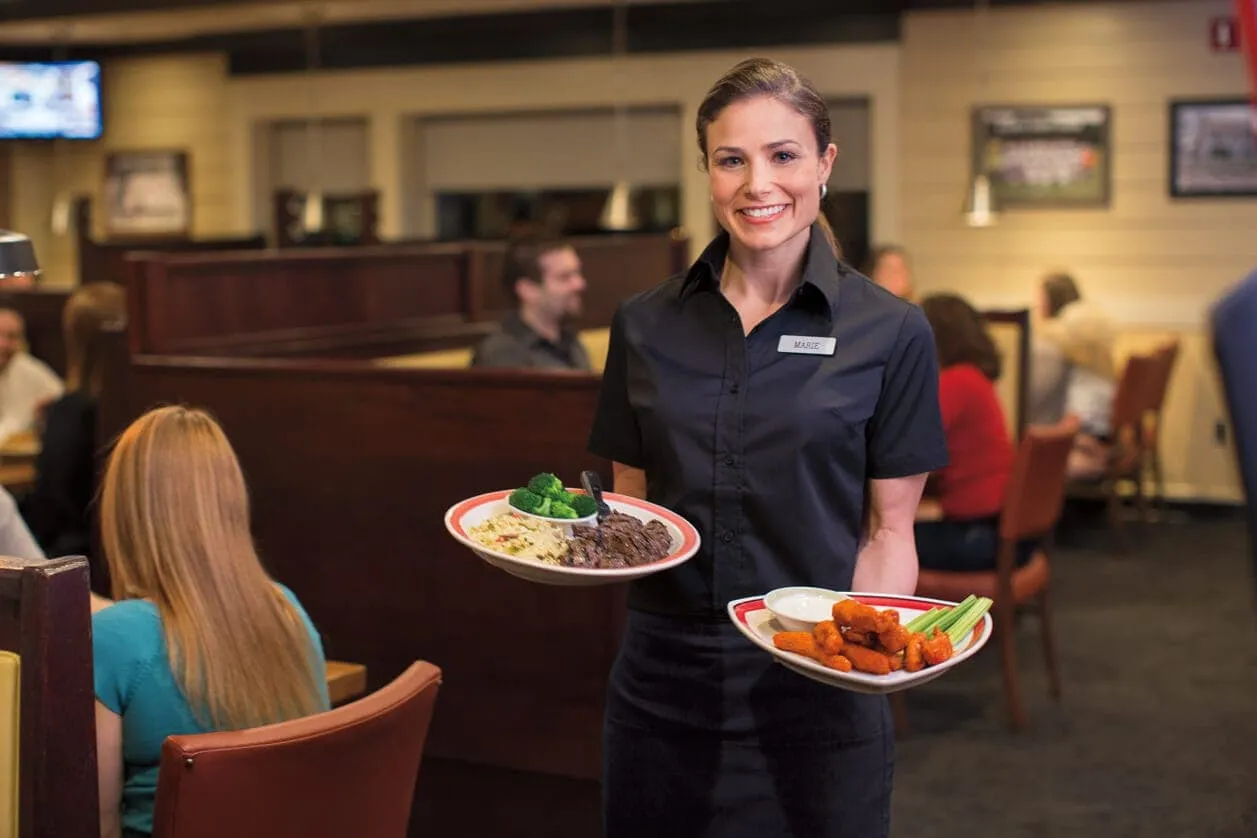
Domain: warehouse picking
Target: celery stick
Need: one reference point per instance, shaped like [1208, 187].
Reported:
[962, 627]
[927, 618]
[923, 622]
[957, 614]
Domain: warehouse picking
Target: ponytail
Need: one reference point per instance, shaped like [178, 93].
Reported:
[830, 237]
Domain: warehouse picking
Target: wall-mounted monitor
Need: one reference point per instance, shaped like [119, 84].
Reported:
[50, 100]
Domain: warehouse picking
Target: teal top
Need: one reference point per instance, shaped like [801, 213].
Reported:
[134, 680]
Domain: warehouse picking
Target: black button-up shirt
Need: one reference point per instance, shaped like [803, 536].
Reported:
[517, 346]
[766, 449]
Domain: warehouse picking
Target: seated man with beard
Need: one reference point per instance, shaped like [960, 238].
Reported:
[544, 276]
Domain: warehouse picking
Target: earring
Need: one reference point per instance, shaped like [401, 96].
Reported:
[824, 190]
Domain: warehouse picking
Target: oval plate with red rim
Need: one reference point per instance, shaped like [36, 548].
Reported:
[466, 514]
[759, 625]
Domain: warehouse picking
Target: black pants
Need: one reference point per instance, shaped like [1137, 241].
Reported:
[706, 737]
[964, 545]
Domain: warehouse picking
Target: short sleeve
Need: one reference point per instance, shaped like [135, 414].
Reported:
[114, 643]
[905, 435]
[616, 435]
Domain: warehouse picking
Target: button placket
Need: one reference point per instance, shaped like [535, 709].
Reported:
[727, 557]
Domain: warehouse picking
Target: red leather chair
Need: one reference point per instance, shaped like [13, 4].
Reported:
[349, 771]
[1032, 508]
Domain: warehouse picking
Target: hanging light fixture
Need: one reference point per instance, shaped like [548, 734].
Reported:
[18, 264]
[619, 213]
[312, 208]
[981, 207]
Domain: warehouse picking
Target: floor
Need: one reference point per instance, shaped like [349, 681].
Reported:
[1157, 732]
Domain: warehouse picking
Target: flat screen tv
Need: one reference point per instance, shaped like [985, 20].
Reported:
[50, 100]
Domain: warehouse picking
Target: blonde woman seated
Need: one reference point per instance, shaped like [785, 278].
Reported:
[201, 638]
[1072, 372]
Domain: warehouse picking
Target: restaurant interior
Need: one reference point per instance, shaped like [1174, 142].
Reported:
[309, 203]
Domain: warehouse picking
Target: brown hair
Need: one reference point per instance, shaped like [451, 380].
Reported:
[523, 257]
[174, 518]
[764, 77]
[1060, 290]
[960, 335]
[89, 311]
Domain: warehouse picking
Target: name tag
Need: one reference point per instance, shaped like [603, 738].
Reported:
[803, 345]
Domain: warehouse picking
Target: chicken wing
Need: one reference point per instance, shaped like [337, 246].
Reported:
[867, 660]
[828, 637]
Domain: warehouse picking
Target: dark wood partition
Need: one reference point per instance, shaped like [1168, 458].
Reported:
[107, 260]
[351, 469]
[45, 618]
[362, 301]
[176, 300]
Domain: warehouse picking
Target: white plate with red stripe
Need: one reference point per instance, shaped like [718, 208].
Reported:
[759, 625]
[466, 514]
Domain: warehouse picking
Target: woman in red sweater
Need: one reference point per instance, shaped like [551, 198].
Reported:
[970, 489]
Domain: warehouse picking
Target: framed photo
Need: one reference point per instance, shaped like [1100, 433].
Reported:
[1213, 148]
[1044, 156]
[147, 194]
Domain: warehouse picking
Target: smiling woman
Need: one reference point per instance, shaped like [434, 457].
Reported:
[777, 400]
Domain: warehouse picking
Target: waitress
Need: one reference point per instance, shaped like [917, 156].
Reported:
[780, 402]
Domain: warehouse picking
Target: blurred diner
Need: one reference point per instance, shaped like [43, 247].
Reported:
[542, 274]
[969, 491]
[1072, 370]
[890, 267]
[27, 384]
[57, 507]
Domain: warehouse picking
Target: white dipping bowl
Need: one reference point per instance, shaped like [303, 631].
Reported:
[801, 608]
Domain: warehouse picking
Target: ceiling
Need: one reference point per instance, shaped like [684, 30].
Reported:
[111, 22]
[271, 36]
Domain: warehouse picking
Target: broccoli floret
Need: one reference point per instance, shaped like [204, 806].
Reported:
[548, 486]
[583, 506]
[526, 500]
[562, 510]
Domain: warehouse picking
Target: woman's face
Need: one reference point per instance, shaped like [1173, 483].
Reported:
[1045, 305]
[892, 274]
[765, 172]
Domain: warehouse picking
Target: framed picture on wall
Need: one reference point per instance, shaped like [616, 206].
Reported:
[1213, 148]
[1049, 156]
[147, 193]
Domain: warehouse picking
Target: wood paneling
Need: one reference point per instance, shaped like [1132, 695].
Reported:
[179, 298]
[351, 469]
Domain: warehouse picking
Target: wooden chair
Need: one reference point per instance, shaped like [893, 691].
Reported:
[1126, 458]
[349, 771]
[45, 623]
[1032, 506]
[1166, 356]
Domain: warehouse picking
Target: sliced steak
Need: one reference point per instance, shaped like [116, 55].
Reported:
[619, 541]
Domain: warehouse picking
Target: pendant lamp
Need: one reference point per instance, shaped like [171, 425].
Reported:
[619, 213]
[17, 257]
[981, 208]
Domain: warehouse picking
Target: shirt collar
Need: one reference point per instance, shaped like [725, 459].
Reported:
[821, 269]
[515, 326]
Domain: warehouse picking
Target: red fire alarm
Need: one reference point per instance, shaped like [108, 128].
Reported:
[1224, 34]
